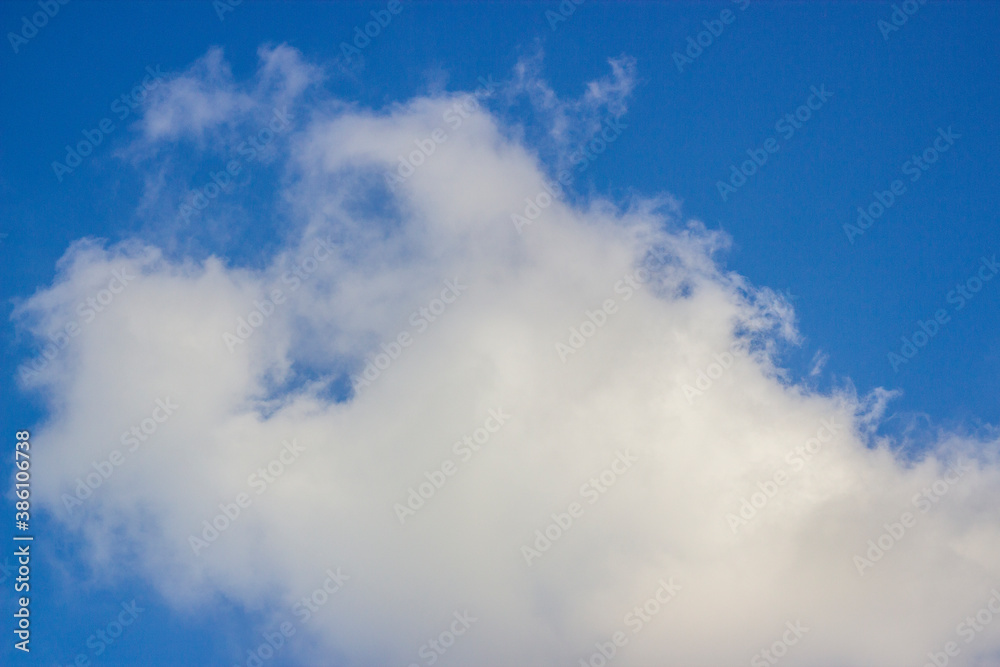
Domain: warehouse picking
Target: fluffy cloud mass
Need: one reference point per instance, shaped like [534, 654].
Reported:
[526, 430]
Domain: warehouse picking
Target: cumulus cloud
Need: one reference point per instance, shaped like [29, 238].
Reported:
[450, 385]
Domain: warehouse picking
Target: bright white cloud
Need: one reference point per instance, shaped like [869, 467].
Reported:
[364, 263]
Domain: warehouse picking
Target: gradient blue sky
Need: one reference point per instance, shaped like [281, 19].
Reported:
[684, 130]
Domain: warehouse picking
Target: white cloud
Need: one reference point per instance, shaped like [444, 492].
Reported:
[571, 123]
[493, 347]
[206, 97]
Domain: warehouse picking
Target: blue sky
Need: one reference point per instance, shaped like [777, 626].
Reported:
[891, 96]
